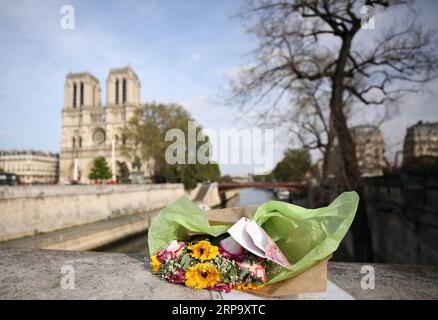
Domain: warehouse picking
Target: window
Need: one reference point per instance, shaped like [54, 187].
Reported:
[73, 142]
[82, 93]
[124, 91]
[74, 95]
[117, 91]
[80, 142]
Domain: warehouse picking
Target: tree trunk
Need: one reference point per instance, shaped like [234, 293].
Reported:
[325, 183]
[360, 228]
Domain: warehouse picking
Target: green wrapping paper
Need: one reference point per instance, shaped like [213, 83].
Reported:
[305, 236]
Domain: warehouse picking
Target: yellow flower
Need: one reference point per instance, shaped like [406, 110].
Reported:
[155, 264]
[245, 286]
[203, 250]
[202, 275]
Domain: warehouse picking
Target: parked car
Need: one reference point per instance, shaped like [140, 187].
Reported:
[8, 179]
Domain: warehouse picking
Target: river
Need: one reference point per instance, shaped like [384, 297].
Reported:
[138, 243]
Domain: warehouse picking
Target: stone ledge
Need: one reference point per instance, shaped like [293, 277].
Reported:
[36, 274]
[25, 192]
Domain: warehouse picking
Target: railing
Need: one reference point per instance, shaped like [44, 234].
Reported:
[293, 186]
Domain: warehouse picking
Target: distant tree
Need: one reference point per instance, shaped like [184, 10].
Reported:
[293, 166]
[124, 173]
[207, 172]
[192, 174]
[136, 164]
[2, 170]
[100, 170]
[263, 178]
[226, 179]
[145, 135]
[134, 141]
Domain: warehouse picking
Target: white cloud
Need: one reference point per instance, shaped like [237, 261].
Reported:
[195, 56]
[6, 134]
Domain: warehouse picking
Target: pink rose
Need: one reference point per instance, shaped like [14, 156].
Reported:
[231, 249]
[260, 273]
[178, 277]
[230, 256]
[172, 251]
[256, 270]
[221, 287]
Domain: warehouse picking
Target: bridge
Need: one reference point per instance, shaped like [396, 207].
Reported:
[291, 186]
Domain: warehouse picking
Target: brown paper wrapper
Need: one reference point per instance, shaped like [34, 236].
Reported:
[312, 280]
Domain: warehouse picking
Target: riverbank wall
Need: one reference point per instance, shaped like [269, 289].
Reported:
[29, 211]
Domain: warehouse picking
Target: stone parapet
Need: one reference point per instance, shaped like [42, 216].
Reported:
[27, 211]
[45, 274]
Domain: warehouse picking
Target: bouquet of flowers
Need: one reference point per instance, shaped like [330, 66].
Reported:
[203, 265]
[237, 248]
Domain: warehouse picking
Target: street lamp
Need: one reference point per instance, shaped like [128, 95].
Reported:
[75, 170]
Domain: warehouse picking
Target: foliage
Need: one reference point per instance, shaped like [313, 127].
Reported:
[100, 169]
[124, 173]
[207, 172]
[263, 178]
[145, 134]
[226, 179]
[293, 166]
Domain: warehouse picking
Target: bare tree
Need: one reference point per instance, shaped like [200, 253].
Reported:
[308, 42]
[310, 122]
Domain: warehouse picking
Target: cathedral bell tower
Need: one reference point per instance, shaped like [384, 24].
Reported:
[123, 99]
[81, 90]
[81, 95]
[90, 129]
[123, 87]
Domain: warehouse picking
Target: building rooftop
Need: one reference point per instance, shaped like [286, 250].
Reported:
[423, 128]
[364, 128]
[127, 69]
[28, 152]
[79, 75]
[426, 125]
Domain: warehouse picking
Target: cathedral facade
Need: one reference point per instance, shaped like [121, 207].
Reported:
[90, 128]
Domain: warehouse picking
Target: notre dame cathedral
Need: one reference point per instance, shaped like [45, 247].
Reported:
[90, 129]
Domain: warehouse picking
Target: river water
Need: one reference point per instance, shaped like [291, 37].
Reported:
[138, 243]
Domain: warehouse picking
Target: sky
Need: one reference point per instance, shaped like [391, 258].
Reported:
[182, 51]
